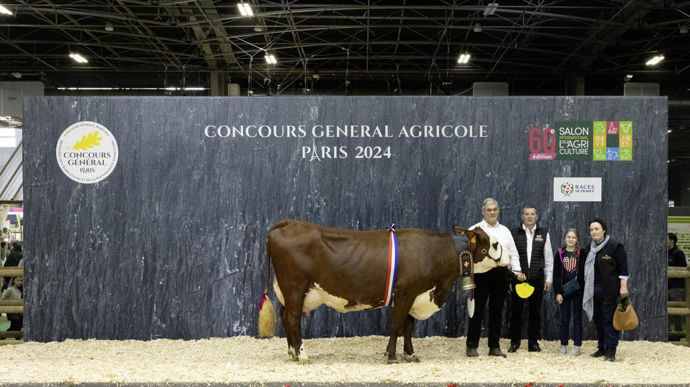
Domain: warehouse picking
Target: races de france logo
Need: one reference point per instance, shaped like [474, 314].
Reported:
[87, 152]
[567, 189]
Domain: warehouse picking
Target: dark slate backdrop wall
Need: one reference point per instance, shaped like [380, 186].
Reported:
[172, 243]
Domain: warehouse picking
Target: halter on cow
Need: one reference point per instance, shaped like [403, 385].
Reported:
[347, 271]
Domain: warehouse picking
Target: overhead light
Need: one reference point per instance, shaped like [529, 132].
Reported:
[78, 58]
[669, 131]
[655, 60]
[628, 77]
[464, 58]
[245, 9]
[477, 27]
[17, 75]
[490, 8]
[683, 29]
[109, 27]
[5, 11]
[270, 59]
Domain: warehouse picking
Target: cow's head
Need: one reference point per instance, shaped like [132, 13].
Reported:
[486, 251]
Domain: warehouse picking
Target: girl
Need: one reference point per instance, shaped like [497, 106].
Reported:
[565, 269]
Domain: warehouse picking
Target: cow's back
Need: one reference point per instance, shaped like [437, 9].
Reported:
[353, 264]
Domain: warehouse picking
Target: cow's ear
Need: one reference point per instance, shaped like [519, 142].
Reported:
[471, 236]
[458, 229]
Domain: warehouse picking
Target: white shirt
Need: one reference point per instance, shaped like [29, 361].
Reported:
[505, 238]
[548, 253]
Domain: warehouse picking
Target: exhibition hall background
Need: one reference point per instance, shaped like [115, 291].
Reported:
[172, 243]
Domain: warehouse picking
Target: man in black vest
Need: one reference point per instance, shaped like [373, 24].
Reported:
[536, 260]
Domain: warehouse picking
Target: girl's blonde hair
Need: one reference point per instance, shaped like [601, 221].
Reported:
[577, 235]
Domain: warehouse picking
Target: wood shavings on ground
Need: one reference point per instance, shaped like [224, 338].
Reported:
[332, 360]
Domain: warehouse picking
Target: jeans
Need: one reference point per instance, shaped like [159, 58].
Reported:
[571, 305]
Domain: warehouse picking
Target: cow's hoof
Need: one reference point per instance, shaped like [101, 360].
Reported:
[392, 360]
[411, 358]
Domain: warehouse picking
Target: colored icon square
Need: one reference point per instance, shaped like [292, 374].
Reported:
[626, 154]
[599, 141]
[612, 154]
[625, 127]
[625, 141]
[599, 153]
[611, 127]
[599, 127]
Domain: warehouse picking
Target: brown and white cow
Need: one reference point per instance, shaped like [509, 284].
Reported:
[347, 270]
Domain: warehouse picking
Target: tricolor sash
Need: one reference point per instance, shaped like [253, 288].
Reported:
[392, 265]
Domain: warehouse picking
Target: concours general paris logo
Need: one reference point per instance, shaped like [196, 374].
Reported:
[87, 152]
[567, 189]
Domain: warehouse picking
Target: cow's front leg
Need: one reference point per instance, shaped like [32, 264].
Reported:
[407, 334]
[400, 313]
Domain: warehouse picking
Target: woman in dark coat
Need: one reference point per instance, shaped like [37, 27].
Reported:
[604, 279]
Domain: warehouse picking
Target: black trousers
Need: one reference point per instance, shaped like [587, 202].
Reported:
[534, 312]
[491, 286]
[16, 324]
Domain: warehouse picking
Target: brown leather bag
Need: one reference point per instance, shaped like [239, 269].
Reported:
[625, 318]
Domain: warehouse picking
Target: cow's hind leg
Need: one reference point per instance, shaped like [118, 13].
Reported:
[400, 312]
[289, 333]
[407, 335]
[292, 315]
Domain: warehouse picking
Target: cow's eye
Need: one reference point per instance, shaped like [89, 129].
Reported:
[495, 245]
[484, 251]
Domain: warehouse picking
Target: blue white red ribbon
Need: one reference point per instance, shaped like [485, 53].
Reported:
[392, 265]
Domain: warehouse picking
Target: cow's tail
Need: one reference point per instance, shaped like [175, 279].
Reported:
[267, 314]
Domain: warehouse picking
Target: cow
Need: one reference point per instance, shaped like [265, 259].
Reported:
[347, 271]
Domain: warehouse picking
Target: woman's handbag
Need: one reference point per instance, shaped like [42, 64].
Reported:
[625, 318]
[570, 287]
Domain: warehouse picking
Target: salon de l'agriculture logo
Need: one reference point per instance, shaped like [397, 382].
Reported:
[582, 140]
[87, 152]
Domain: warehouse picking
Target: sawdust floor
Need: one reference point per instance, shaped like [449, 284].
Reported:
[344, 360]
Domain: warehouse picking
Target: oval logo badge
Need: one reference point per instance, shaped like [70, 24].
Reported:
[87, 152]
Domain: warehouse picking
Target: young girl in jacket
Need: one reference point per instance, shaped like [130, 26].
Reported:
[565, 268]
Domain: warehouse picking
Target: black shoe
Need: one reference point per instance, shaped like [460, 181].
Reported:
[598, 353]
[513, 348]
[496, 352]
[534, 348]
[472, 352]
[610, 355]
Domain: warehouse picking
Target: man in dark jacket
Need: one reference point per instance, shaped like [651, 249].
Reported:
[676, 286]
[536, 259]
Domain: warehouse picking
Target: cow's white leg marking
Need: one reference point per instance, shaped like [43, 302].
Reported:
[291, 352]
[424, 306]
[303, 358]
[317, 296]
[276, 288]
[410, 358]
